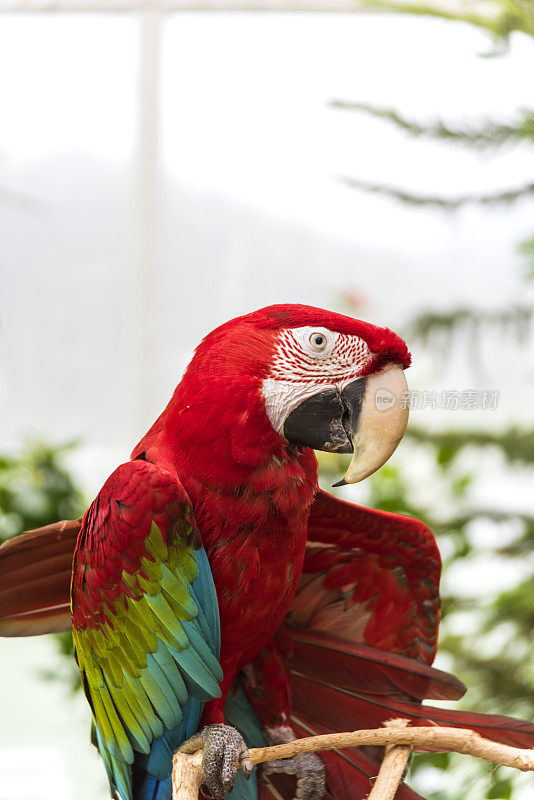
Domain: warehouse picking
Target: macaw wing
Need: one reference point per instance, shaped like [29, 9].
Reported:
[361, 634]
[145, 623]
[371, 577]
[366, 613]
[35, 576]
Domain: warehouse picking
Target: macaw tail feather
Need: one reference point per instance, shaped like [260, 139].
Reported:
[35, 575]
[366, 683]
[340, 710]
[356, 667]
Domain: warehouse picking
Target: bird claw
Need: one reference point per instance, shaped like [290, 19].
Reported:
[224, 752]
[307, 767]
[309, 770]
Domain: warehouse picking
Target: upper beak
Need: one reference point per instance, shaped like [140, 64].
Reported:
[367, 418]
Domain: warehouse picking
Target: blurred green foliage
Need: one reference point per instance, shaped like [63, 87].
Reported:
[500, 18]
[36, 488]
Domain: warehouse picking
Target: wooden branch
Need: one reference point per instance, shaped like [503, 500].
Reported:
[392, 767]
[188, 776]
[440, 739]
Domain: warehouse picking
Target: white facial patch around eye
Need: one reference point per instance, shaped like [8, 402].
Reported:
[295, 359]
[281, 397]
[299, 370]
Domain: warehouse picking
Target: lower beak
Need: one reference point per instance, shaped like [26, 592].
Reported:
[367, 418]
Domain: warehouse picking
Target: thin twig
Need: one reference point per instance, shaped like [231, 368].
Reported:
[392, 767]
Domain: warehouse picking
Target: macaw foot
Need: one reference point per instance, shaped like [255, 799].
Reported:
[308, 767]
[224, 750]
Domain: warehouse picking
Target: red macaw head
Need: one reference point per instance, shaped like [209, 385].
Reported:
[327, 381]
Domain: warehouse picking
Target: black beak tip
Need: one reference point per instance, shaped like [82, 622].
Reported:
[342, 482]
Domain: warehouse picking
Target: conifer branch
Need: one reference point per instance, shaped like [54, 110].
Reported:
[498, 17]
[446, 203]
[515, 319]
[491, 133]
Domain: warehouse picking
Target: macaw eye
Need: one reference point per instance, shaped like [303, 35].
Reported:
[318, 341]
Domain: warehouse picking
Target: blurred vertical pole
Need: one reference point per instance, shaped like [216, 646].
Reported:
[146, 256]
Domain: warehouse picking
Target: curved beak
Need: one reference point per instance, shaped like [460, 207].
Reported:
[367, 418]
[380, 425]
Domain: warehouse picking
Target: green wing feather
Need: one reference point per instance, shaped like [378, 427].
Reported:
[142, 644]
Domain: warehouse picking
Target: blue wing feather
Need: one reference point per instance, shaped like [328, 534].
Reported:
[151, 774]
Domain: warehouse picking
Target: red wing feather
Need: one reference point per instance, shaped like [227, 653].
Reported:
[35, 575]
[370, 577]
[360, 668]
[339, 710]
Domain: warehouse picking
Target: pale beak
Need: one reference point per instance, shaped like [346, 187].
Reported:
[380, 423]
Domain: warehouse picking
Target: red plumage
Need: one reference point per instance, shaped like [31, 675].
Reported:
[113, 537]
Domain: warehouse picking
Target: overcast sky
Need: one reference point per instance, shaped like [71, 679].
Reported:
[252, 207]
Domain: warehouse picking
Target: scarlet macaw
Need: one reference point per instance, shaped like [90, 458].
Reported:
[219, 599]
